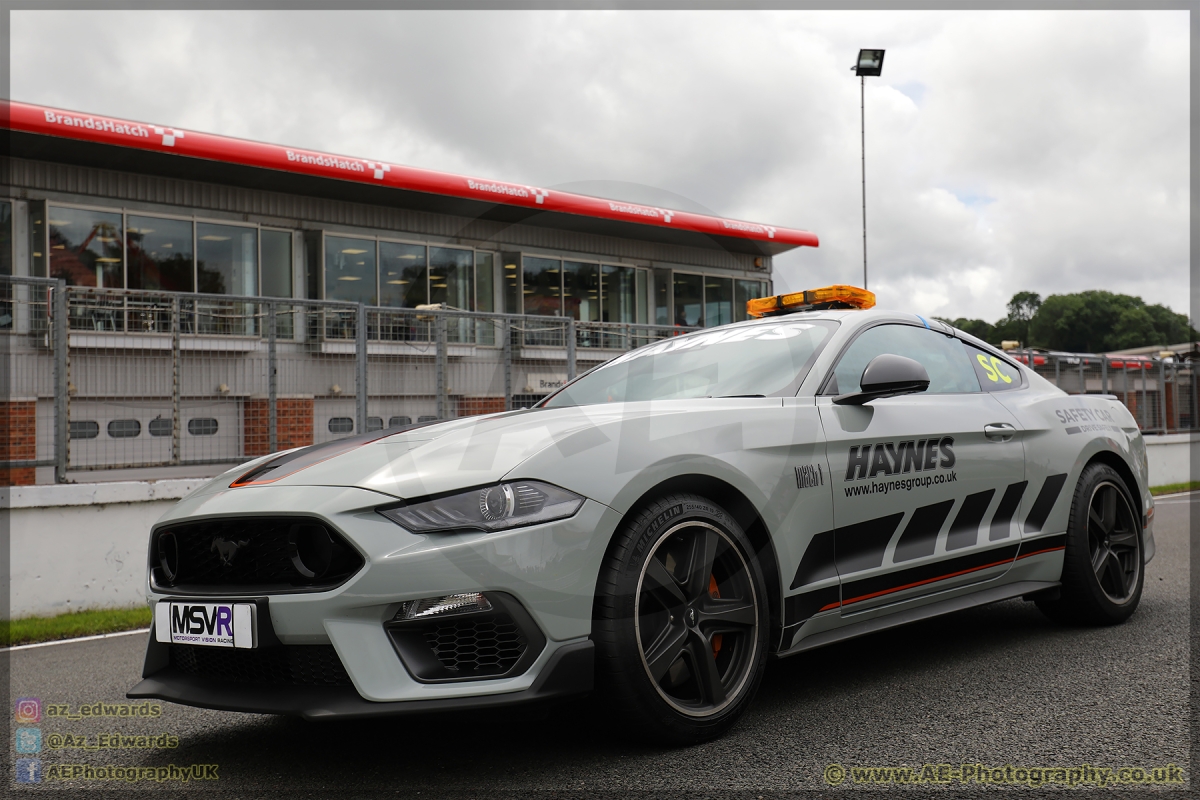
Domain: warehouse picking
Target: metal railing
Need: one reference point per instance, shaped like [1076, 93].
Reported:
[126, 378]
[1161, 393]
[100, 379]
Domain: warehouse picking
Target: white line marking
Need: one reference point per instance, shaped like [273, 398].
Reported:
[72, 641]
[1159, 498]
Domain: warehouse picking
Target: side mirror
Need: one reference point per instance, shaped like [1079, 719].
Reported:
[887, 375]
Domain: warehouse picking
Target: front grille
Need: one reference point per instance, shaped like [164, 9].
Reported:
[255, 553]
[476, 647]
[287, 665]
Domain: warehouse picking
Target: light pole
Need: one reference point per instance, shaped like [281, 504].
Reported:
[870, 62]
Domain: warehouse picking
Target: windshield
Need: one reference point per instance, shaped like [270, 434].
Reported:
[756, 360]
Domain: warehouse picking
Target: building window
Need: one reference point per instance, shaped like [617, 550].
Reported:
[402, 275]
[124, 428]
[512, 292]
[226, 259]
[374, 424]
[202, 426]
[399, 422]
[276, 263]
[745, 291]
[485, 281]
[86, 247]
[341, 425]
[350, 269]
[689, 299]
[37, 238]
[160, 254]
[581, 291]
[542, 288]
[718, 301]
[618, 291]
[485, 297]
[6, 265]
[83, 429]
[451, 277]
[6, 239]
[662, 297]
[642, 290]
[160, 427]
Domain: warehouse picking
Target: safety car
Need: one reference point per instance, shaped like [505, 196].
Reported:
[657, 530]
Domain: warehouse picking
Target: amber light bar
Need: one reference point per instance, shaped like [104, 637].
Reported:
[837, 296]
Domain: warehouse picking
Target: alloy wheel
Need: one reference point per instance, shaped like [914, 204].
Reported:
[1113, 542]
[696, 617]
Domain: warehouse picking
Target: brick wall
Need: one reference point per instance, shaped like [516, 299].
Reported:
[293, 424]
[18, 441]
[473, 406]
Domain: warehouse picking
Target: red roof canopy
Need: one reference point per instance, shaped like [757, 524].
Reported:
[32, 125]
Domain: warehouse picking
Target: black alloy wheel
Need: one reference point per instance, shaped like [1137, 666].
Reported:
[1102, 572]
[696, 618]
[681, 622]
[1113, 542]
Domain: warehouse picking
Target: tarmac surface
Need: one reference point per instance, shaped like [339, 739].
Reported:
[996, 686]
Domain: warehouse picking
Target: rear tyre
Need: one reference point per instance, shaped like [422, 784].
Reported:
[1103, 567]
[680, 622]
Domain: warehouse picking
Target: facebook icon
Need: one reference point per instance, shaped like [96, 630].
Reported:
[29, 770]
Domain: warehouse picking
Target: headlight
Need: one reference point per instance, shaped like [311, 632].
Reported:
[491, 508]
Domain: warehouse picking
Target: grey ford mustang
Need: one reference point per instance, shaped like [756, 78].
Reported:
[656, 530]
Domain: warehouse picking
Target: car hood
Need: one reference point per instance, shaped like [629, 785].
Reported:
[451, 455]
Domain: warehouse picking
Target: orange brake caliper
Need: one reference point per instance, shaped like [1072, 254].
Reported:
[713, 591]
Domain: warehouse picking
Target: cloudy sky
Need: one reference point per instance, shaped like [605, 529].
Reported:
[1006, 151]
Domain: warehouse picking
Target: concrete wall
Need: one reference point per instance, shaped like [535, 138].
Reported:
[78, 546]
[1170, 457]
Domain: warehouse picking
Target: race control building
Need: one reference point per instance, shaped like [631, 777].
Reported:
[129, 210]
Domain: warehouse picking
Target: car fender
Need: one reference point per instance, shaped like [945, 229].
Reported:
[1064, 433]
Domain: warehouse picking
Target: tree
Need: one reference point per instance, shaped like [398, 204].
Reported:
[1083, 322]
[1097, 321]
[976, 327]
[1021, 309]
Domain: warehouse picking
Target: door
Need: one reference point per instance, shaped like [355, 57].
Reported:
[926, 486]
[1047, 459]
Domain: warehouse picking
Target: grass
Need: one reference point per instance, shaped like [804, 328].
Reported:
[29, 630]
[1172, 488]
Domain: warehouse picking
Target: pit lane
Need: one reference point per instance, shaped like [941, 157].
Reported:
[997, 685]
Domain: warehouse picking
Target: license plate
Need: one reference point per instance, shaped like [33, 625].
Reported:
[206, 624]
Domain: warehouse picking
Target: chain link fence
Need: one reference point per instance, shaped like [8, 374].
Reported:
[102, 379]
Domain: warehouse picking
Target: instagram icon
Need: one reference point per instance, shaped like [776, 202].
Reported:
[29, 709]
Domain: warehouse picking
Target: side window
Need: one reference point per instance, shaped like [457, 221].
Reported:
[944, 358]
[994, 373]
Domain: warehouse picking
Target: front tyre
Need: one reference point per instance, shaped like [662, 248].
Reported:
[680, 621]
[1103, 563]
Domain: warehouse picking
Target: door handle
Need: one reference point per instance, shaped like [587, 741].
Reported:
[999, 431]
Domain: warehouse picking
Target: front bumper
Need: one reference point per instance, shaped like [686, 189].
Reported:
[568, 672]
[549, 569]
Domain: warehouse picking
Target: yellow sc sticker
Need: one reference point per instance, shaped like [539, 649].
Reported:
[993, 367]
